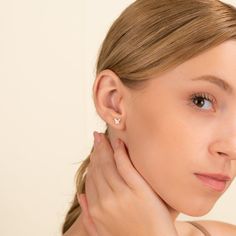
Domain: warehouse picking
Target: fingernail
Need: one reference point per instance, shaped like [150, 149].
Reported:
[97, 138]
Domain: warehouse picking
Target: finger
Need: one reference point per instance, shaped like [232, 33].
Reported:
[91, 189]
[103, 189]
[105, 166]
[86, 218]
[126, 169]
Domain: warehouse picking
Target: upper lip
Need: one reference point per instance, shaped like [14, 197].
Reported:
[217, 176]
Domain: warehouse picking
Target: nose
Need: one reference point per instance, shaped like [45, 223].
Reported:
[228, 155]
[224, 144]
[225, 148]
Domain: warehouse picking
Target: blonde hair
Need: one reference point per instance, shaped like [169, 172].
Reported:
[153, 36]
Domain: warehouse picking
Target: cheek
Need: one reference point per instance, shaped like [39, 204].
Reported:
[155, 146]
[154, 132]
[142, 137]
[161, 148]
[166, 149]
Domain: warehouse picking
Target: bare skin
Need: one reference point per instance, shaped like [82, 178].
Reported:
[183, 229]
[170, 137]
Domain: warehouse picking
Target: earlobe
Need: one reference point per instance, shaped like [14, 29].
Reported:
[108, 97]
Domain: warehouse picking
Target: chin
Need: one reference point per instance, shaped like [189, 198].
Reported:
[197, 210]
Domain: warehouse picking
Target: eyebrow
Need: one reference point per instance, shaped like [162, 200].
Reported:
[225, 86]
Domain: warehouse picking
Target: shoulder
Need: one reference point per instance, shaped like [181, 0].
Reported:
[218, 227]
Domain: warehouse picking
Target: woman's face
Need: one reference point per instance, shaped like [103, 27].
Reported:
[170, 135]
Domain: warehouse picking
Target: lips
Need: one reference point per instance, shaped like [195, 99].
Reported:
[216, 182]
[215, 176]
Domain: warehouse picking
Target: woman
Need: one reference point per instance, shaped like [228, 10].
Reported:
[165, 85]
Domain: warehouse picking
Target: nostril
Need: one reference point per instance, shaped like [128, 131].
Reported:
[221, 153]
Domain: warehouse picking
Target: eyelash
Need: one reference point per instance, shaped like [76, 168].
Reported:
[202, 96]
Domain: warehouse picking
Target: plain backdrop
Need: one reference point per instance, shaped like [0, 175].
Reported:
[48, 50]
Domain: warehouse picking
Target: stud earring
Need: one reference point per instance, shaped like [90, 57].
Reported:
[117, 120]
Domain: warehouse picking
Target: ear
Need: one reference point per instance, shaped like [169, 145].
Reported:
[109, 98]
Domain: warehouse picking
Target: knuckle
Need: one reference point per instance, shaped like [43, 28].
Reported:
[97, 212]
[106, 205]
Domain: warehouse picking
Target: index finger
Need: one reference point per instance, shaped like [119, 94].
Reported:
[104, 165]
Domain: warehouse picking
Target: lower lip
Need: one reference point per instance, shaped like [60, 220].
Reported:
[217, 185]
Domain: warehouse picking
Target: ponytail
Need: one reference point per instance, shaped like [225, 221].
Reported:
[75, 209]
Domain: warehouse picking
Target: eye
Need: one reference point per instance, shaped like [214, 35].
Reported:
[202, 100]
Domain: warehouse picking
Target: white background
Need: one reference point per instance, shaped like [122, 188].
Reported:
[48, 50]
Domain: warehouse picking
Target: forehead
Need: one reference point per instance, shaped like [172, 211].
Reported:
[223, 55]
[220, 60]
[216, 65]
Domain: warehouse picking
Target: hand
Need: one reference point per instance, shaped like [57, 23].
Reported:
[118, 201]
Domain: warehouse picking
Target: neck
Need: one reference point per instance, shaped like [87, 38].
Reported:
[173, 212]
